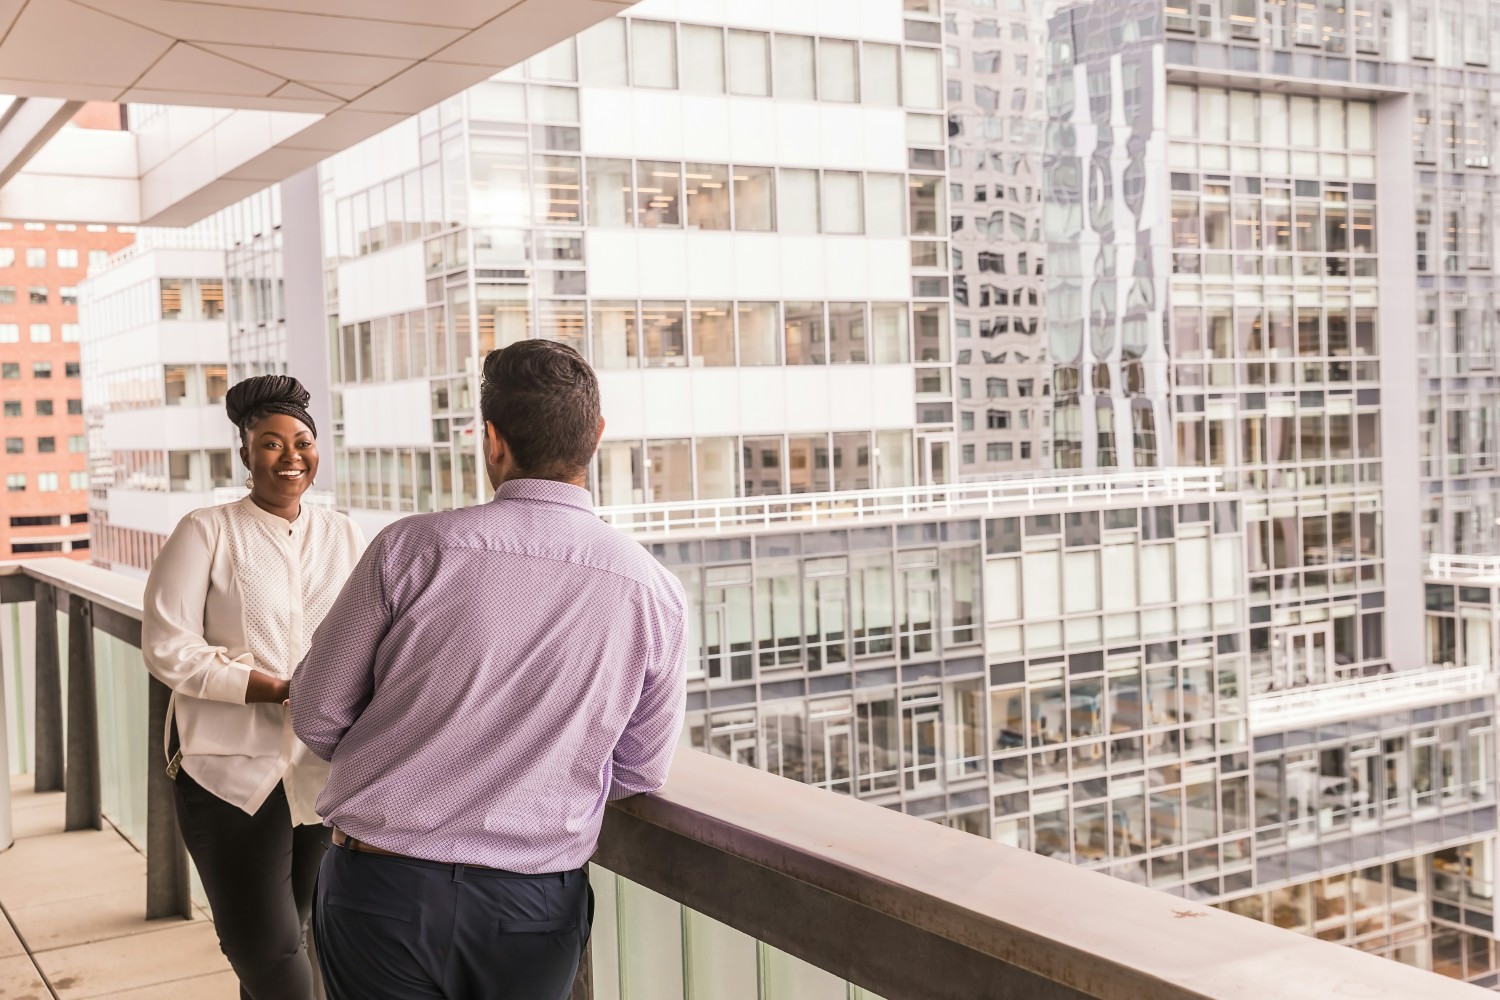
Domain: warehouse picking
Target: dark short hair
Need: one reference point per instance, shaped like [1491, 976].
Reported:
[543, 399]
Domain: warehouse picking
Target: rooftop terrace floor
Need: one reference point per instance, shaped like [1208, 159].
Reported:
[73, 927]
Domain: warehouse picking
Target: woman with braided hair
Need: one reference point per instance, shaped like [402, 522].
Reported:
[230, 608]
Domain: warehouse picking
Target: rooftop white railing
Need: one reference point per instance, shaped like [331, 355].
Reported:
[1007, 495]
[1356, 697]
[154, 238]
[1463, 569]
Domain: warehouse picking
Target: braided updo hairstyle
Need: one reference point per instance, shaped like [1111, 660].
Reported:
[256, 398]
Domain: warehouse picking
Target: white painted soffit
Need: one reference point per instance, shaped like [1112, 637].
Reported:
[359, 66]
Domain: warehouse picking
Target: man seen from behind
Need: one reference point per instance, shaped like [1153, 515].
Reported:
[488, 678]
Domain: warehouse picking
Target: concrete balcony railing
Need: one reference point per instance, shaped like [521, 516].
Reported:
[1362, 696]
[887, 903]
[1003, 495]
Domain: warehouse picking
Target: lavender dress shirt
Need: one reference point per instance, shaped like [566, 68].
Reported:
[490, 677]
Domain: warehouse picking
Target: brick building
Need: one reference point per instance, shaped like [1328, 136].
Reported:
[44, 465]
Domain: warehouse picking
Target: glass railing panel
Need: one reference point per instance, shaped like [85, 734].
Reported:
[120, 680]
[17, 658]
[646, 945]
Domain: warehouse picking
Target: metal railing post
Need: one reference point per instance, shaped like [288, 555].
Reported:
[82, 811]
[168, 889]
[48, 681]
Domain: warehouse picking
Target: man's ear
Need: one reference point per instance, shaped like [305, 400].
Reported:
[494, 444]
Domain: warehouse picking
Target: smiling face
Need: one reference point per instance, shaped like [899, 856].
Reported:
[282, 458]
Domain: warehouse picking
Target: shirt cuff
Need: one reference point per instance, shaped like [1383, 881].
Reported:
[230, 683]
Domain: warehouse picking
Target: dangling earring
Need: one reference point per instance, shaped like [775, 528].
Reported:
[249, 482]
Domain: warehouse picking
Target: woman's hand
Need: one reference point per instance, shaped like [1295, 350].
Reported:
[265, 688]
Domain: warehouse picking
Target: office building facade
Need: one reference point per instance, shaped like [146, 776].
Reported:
[155, 348]
[994, 62]
[1230, 209]
[45, 463]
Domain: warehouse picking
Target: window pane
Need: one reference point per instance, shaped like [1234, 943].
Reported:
[662, 336]
[702, 59]
[557, 189]
[654, 54]
[838, 70]
[669, 471]
[928, 211]
[602, 52]
[922, 73]
[794, 68]
[504, 317]
[613, 335]
[749, 63]
[804, 333]
[171, 298]
[807, 464]
[889, 325]
[717, 476]
[562, 322]
[930, 326]
[762, 466]
[500, 189]
[851, 461]
[885, 204]
[754, 199]
[610, 199]
[557, 63]
[882, 76]
[658, 193]
[842, 202]
[620, 473]
[707, 196]
[713, 335]
[757, 322]
[799, 201]
[846, 333]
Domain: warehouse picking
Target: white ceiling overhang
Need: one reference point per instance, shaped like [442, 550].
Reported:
[303, 83]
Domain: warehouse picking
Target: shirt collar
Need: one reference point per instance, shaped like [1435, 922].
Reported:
[275, 522]
[546, 491]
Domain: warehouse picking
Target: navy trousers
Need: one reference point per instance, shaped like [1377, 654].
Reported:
[399, 929]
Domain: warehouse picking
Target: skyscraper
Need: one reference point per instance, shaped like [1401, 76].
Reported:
[1230, 219]
[994, 68]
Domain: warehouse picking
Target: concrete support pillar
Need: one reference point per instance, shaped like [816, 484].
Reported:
[49, 712]
[83, 804]
[168, 887]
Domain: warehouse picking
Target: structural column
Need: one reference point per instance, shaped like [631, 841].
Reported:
[49, 712]
[83, 812]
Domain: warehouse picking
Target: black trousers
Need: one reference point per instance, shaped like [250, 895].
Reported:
[258, 872]
[399, 929]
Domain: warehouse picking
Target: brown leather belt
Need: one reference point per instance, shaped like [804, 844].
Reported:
[342, 839]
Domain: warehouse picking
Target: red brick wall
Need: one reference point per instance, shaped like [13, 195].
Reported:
[27, 389]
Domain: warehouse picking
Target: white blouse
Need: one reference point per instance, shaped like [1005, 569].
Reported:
[236, 589]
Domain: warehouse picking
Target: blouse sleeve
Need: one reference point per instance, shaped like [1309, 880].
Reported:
[172, 642]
